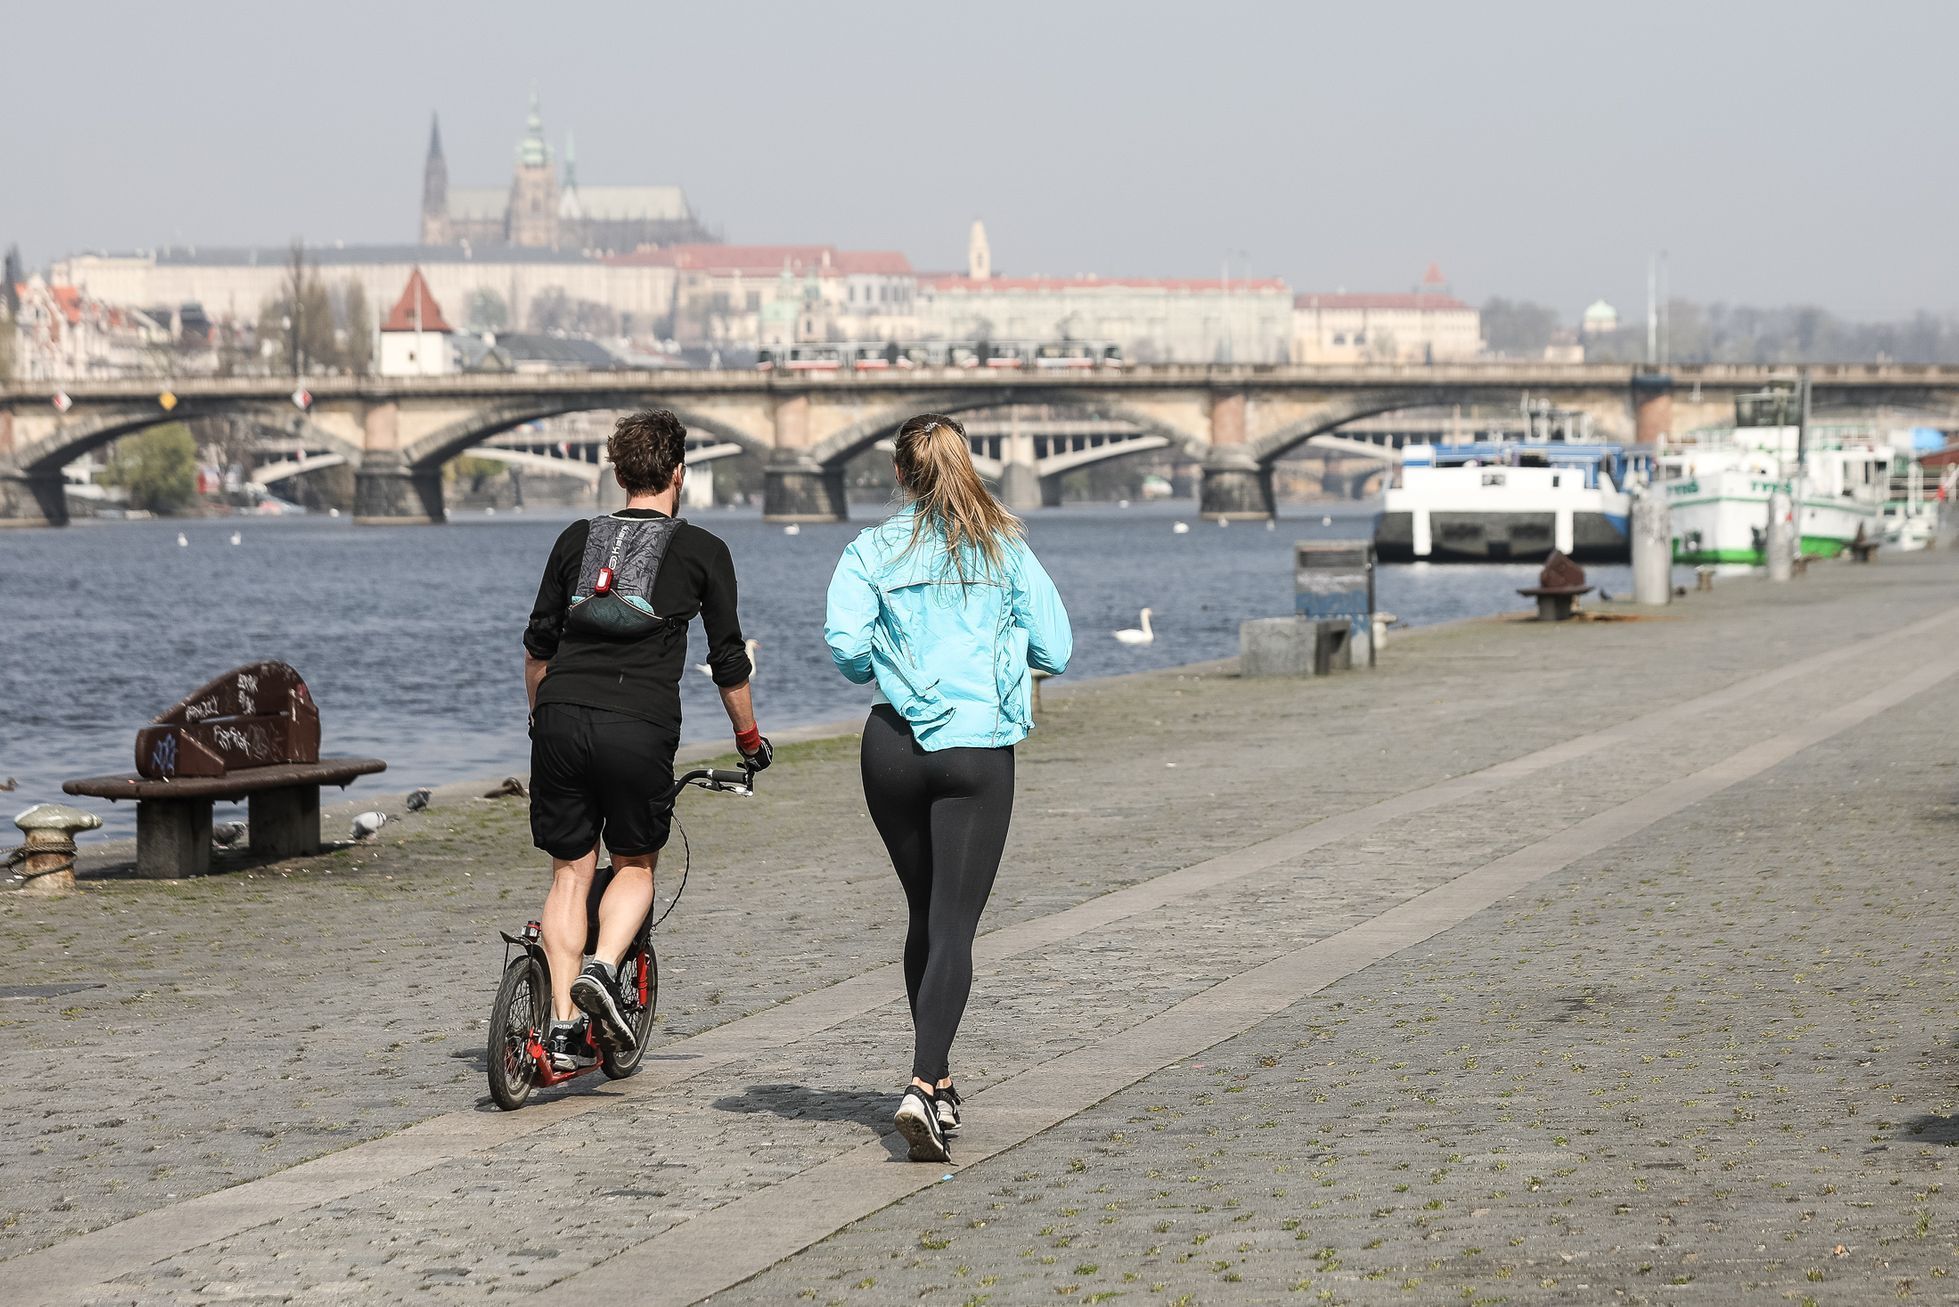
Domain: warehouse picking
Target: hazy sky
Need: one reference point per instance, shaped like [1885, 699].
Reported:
[1779, 150]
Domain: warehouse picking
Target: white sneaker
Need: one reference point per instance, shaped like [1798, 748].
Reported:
[917, 1119]
[947, 1100]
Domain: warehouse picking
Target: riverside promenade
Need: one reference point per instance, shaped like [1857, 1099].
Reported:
[1596, 962]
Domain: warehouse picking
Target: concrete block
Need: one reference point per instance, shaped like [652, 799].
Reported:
[1293, 646]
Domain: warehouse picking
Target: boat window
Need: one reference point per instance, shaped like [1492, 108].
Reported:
[1493, 478]
[1556, 481]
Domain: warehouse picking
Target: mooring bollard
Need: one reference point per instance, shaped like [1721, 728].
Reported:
[1779, 546]
[1703, 577]
[47, 859]
[1034, 691]
[1652, 547]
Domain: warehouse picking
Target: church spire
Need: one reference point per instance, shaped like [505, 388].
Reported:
[571, 164]
[532, 152]
[435, 189]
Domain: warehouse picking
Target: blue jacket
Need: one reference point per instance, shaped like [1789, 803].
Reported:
[951, 657]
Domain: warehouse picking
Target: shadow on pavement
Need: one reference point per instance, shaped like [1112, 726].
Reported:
[864, 1107]
[1933, 1129]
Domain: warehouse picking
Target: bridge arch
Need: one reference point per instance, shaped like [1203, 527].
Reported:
[445, 443]
[48, 456]
[1269, 448]
[844, 445]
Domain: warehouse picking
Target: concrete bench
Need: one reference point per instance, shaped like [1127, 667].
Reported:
[252, 734]
[173, 816]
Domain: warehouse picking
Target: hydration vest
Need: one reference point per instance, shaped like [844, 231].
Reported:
[614, 596]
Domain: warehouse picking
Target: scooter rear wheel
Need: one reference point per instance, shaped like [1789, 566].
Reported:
[522, 1006]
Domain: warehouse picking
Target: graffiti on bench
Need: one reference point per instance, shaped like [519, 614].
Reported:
[258, 715]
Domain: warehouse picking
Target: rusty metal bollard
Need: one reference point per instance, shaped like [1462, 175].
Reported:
[47, 859]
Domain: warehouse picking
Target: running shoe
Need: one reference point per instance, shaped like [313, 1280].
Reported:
[567, 1046]
[596, 994]
[918, 1121]
[947, 1100]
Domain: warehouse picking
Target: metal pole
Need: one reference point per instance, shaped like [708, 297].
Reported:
[1802, 458]
[1652, 312]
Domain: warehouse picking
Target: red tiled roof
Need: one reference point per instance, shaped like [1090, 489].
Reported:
[403, 316]
[1432, 302]
[872, 263]
[1185, 285]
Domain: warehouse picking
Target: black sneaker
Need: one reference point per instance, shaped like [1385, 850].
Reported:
[596, 994]
[947, 1100]
[918, 1121]
[567, 1047]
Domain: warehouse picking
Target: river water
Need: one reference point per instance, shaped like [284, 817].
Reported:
[409, 637]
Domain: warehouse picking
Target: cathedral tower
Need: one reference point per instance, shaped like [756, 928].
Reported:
[533, 216]
[979, 255]
[435, 189]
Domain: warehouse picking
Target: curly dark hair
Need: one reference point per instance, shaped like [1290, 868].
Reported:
[646, 448]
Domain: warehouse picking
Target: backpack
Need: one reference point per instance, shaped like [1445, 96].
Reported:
[614, 595]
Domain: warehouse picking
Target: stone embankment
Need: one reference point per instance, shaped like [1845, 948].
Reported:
[1565, 963]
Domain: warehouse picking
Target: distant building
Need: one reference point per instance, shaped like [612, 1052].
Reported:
[527, 288]
[1600, 319]
[749, 296]
[1426, 325]
[1163, 319]
[62, 332]
[979, 255]
[540, 210]
[415, 338]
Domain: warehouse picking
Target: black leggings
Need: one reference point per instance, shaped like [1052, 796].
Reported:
[944, 818]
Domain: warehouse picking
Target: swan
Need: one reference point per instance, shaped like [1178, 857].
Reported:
[183, 541]
[237, 538]
[1122, 503]
[1180, 528]
[792, 530]
[754, 668]
[333, 512]
[1133, 635]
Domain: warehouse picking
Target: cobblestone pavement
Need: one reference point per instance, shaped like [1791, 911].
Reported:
[1614, 1069]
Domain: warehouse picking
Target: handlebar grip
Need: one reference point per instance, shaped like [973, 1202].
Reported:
[728, 777]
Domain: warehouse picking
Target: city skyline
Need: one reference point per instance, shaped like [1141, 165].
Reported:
[1521, 151]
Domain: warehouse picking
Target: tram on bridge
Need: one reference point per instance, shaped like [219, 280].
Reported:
[881, 355]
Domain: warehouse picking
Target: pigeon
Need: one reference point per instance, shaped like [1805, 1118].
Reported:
[369, 822]
[418, 799]
[511, 788]
[227, 833]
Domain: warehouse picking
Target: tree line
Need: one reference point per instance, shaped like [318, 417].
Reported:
[1732, 333]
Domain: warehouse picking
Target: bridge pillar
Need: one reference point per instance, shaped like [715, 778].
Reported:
[1021, 487]
[1235, 487]
[32, 500]
[388, 491]
[797, 488]
[1652, 400]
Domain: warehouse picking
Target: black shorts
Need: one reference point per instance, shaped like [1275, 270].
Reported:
[598, 773]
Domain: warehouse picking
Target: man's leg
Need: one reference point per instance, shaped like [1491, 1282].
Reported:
[563, 927]
[623, 908]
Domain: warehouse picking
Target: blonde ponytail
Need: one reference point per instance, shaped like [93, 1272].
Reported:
[935, 471]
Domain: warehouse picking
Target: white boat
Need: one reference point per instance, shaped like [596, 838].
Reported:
[1915, 509]
[1497, 500]
[1719, 480]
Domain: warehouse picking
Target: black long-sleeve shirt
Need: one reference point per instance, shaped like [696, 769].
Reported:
[639, 675]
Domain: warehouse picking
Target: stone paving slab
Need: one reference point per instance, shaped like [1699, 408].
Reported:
[1173, 820]
[1715, 1063]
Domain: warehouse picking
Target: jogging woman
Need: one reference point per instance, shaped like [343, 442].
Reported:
[945, 608]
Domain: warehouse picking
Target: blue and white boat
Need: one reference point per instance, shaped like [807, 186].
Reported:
[1493, 501]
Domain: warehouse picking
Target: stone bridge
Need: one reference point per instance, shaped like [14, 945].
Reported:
[1237, 420]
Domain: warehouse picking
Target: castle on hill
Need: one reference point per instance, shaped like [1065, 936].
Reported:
[541, 210]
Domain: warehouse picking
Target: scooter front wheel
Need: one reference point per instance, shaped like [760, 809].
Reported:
[522, 1007]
